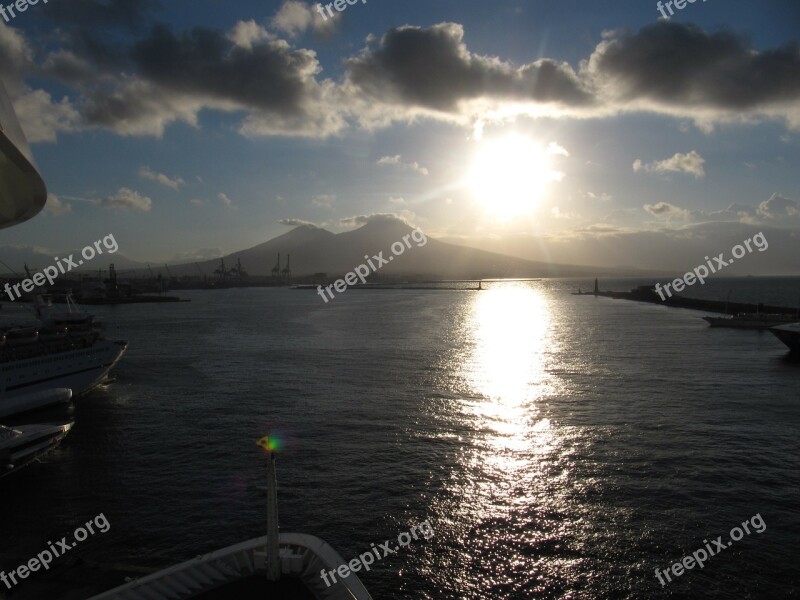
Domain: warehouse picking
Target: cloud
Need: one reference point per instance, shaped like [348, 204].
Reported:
[324, 200]
[178, 75]
[55, 207]
[374, 218]
[295, 222]
[136, 107]
[127, 74]
[42, 118]
[601, 197]
[779, 207]
[665, 209]
[99, 14]
[554, 148]
[777, 211]
[432, 68]
[565, 216]
[679, 69]
[197, 202]
[691, 163]
[397, 160]
[666, 68]
[125, 200]
[66, 66]
[245, 34]
[16, 54]
[270, 76]
[174, 184]
[295, 17]
[223, 197]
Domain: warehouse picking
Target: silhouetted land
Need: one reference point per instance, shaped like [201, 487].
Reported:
[646, 294]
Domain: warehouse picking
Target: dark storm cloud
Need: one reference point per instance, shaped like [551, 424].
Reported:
[95, 33]
[432, 68]
[137, 83]
[203, 61]
[91, 14]
[679, 63]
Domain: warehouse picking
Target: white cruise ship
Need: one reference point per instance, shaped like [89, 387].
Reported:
[64, 351]
[68, 350]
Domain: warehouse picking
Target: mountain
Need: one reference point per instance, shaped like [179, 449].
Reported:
[16, 257]
[315, 250]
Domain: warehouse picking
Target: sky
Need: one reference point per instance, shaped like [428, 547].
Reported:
[572, 131]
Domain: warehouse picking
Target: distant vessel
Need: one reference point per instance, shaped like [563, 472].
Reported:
[789, 335]
[750, 320]
[21, 446]
[68, 350]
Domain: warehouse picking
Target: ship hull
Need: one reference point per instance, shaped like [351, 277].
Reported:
[744, 323]
[80, 370]
[789, 335]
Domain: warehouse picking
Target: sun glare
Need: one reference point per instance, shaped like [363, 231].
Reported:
[509, 175]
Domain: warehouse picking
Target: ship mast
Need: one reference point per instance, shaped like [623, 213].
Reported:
[273, 565]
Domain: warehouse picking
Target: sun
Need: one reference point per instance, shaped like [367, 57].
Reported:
[509, 175]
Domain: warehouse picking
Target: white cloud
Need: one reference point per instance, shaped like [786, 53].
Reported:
[42, 118]
[665, 209]
[324, 200]
[149, 174]
[601, 197]
[566, 216]
[55, 207]
[126, 199]
[295, 222]
[397, 160]
[403, 216]
[246, 34]
[779, 207]
[295, 17]
[691, 163]
[554, 148]
[223, 197]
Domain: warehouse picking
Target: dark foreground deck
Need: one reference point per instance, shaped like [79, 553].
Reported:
[77, 579]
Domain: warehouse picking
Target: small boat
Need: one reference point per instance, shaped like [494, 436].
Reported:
[789, 335]
[750, 320]
[21, 446]
[21, 403]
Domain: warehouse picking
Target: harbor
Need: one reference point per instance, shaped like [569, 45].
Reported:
[569, 367]
[646, 293]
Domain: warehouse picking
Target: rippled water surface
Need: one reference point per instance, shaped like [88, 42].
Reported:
[561, 446]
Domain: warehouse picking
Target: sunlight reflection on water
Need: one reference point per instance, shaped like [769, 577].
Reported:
[514, 458]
